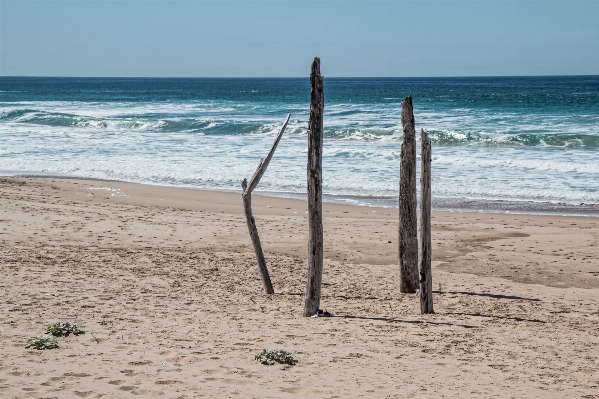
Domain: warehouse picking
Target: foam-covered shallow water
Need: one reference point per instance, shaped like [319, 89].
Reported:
[499, 144]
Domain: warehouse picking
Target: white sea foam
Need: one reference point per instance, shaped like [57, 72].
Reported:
[216, 144]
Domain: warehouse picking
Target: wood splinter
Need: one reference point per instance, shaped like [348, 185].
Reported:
[247, 207]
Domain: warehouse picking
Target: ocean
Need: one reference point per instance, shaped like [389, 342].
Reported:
[505, 144]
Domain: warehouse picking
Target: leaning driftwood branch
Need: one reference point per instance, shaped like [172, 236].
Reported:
[247, 207]
[425, 270]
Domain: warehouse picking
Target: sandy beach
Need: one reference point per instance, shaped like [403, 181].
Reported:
[165, 282]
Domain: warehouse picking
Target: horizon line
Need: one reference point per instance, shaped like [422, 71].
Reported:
[297, 77]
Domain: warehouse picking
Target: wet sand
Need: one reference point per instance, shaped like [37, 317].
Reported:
[164, 281]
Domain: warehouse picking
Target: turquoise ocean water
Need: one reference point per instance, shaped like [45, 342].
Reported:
[527, 144]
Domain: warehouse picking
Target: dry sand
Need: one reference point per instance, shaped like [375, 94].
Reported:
[165, 282]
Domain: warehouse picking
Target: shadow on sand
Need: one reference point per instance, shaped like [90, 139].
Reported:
[495, 317]
[496, 296]
[438, 323]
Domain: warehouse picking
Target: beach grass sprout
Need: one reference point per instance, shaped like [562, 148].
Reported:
[41, 342]
[272, 356]
[63, 328]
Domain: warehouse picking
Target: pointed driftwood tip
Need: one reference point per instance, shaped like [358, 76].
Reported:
[407, 101]
[424, 136]
[316, 66]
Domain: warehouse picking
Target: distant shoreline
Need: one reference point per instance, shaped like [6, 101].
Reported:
[439, 204]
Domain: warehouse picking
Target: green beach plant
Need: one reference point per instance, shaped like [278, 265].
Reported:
[41, 342]
[64, 329]
[272, 356]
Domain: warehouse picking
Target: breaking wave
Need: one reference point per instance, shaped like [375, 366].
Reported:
[493, 140]
[234, 125]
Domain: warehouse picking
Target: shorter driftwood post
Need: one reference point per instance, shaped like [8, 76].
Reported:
[408, 222]
[315, 240]
[424, 269]
[247, 207]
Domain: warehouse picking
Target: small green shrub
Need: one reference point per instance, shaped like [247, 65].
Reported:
[271, 356]
[64, 328]
[41, 342]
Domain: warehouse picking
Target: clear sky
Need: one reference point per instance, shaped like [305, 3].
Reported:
[280, 38]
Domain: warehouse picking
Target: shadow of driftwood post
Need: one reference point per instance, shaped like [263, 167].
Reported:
[247, 207]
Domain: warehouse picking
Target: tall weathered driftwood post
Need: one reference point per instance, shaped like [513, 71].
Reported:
[408, 228]
[315, 243]
[247, 207]
[425, 282]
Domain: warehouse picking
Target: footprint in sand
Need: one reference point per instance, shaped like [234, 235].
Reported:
[168, 382]
[295, 390]
[78, 375]
[231, 381]
[140, 363]
[83, 394]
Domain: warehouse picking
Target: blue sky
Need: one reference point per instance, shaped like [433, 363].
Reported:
[280, 38]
